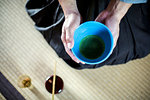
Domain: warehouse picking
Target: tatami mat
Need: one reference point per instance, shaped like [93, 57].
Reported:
[23, 50]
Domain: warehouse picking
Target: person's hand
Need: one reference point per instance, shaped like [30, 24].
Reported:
[112, 22]
[72, 21]
[112, 16]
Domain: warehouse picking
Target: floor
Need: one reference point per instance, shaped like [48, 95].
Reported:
[23, 51]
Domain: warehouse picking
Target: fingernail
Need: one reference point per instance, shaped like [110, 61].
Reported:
[69, 45]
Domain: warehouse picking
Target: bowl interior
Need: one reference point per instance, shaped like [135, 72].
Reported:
[93, 28]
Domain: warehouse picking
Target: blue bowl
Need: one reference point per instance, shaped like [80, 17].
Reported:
[93, 28]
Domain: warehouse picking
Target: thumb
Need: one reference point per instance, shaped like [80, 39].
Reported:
[101, 17]
[69, 40]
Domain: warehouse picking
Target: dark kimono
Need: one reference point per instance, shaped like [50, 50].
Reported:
[133, 41]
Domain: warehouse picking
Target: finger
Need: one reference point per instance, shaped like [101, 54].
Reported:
[102, 16]
[69, 39]
[63, 35]
[69, 44]
[115, 42]
[114, 45]
[66, 48]
[99, 18]
[74, 58]
[82, 62]
[71, 54]
[63, 38]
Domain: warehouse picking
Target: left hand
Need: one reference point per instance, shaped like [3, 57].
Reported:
[112, 16]
[112, 22]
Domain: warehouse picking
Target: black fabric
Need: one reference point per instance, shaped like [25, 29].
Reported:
[8, 90]
[134, 38]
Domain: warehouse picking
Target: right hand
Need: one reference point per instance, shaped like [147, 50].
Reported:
[72, 21]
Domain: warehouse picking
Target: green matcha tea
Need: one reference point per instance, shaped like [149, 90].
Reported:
[92, 47]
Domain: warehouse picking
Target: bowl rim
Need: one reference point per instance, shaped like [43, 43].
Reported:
[111, 48]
